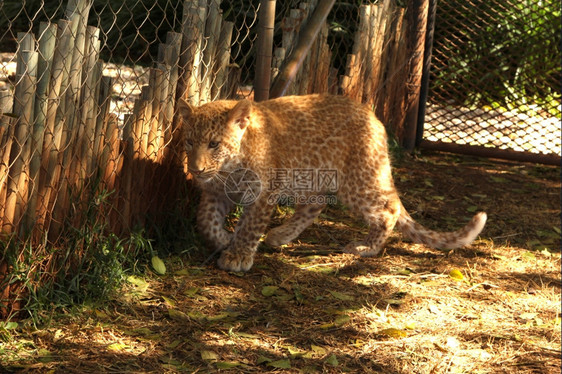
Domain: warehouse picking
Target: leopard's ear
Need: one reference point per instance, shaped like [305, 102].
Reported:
[185, 110]
[240, 114]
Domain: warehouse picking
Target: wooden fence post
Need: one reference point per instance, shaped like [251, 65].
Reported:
[264, 49]
[417, 22]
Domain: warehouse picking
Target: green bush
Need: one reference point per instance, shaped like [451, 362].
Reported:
[497, 52]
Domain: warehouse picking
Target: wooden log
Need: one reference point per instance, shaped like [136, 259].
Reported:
[164, 94]
[47, 39]
[417, 15]
[77, 12]
[104, 103]
[127, 174]
[333, 84]
[48, 176]
[111, 153]
[212, 33]
[222, 60]
[7, 128]
[20, 153]
[6, 100]
[233, 82]
[264, 46]
[320, 64]
[90, 89]
[89, 147]
[157, 81]
[290, 27]
[144, 118]
[378, 24]
[345, 80]
[302, 78]
[143, 128]
[360, 50]
[388, 68]
[86, 122]
[399, 76]
[193, 29]
[172, 58]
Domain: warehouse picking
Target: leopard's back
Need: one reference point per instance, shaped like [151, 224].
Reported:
[320, 131]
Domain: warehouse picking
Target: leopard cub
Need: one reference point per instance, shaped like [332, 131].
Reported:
[305, 148]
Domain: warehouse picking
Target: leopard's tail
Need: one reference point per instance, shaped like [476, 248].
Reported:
[440, 240]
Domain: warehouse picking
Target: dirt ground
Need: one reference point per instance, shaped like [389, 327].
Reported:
[492, 307]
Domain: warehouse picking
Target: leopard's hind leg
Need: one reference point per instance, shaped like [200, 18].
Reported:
[304, 215]
[381, 217]
[369, 192]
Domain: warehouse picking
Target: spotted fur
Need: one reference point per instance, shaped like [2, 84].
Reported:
[317, 132]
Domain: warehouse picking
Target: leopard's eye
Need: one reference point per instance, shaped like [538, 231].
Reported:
[213, 144]
[189, 144]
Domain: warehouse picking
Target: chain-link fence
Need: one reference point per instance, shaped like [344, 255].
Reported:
[495, 79]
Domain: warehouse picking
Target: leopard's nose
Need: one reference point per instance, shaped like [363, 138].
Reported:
[196, 172]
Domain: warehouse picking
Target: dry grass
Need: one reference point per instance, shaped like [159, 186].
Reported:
[310, 308]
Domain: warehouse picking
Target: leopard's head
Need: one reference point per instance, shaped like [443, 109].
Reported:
[212, 136]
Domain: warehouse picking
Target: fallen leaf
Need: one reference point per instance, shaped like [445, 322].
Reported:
[280, 364]
[341, 296]
[410, 326]
[295, 352]
[173, 344]
[227, 364]
[498, 179]
[158, 265]
[10, 325]
[342, 320]
[168, 301]
[456, 274]
[190, 292]
[318, 350]
[332, 360]
[298, 296]
[117, 347]
[394, 333]
[269, 290]
[209, 355]
[140, 283]
[177, 315]
[262, 359]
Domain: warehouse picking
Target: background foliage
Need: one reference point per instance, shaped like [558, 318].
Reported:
[521, 39]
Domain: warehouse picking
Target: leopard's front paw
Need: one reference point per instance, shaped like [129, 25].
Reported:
[361, 249]
[232, 260]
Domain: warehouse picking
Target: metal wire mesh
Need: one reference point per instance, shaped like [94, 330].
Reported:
[495, 75]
